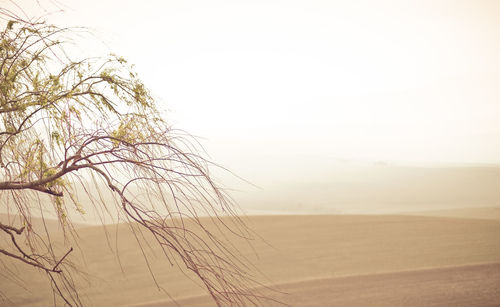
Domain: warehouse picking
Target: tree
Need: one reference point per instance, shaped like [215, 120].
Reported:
[69, 126]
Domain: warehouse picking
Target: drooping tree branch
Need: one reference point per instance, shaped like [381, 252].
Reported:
[23, 256]
[93, 123]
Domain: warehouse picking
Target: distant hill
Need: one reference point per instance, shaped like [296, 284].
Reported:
[375, 189]
[470, 213]
[39, 224]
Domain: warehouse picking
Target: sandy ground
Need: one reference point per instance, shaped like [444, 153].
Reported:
[319, 260]
[470, 285]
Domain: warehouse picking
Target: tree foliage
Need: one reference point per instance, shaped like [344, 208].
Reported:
[69, 126]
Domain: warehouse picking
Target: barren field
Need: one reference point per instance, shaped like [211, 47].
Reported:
[355, 260]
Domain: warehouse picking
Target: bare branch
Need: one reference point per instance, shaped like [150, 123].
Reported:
[91, 125]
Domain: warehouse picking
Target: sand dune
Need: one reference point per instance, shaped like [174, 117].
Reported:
[303, 253]
[469, 285]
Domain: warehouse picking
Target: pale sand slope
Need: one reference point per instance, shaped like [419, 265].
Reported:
[469, 285]
[307, 255]
[489, 213]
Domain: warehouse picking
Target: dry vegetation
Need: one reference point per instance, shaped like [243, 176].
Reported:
[91, 126]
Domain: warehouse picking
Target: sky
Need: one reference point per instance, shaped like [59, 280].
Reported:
[293, 82]
[309, 101]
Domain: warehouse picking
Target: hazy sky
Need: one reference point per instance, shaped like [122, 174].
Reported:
[371, 80]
